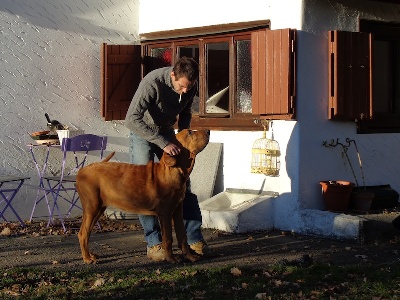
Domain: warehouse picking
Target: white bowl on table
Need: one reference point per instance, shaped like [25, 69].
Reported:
[68, 133]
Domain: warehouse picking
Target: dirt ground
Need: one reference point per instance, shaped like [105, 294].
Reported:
[120, 245]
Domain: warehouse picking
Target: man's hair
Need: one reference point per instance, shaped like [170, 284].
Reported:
[186, 67]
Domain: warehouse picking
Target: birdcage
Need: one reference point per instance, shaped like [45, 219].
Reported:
[266, 156]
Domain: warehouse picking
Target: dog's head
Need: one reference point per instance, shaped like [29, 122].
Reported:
[191, 143]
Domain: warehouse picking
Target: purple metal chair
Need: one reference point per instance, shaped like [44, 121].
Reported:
[63, 187]
[9, 187]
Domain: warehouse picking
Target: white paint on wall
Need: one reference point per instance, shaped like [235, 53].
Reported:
[158, 15]
[49, 62]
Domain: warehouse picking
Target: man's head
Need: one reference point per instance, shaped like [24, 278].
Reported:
[184, 74]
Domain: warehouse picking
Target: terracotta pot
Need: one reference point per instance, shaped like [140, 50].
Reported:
[336, 194]
[361, 201]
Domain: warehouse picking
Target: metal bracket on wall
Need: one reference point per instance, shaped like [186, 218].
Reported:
[264, 123]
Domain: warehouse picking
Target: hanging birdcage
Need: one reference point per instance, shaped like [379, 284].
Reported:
[265, 156]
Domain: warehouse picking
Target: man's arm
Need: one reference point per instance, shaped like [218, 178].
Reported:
[135, 116]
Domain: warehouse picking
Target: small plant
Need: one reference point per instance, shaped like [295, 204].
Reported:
[360, 199]
[345, 148]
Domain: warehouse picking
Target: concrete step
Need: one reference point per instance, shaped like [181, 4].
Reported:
[379, 226]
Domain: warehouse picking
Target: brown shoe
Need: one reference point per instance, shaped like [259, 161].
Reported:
[201, 248]
[156, 253]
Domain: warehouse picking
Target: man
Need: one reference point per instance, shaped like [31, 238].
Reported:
[163, 95]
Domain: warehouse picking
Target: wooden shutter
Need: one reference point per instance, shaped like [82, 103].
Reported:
[273, 72]
[120, 77]
[350, 76]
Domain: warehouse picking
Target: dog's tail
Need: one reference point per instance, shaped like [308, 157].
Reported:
[109, 157]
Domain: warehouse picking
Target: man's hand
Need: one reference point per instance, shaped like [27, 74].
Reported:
[172, 149]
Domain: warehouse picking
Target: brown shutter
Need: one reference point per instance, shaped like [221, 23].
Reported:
[273, 72]
[120, 77]
[349, 75]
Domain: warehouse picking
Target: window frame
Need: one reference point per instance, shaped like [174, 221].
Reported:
[121, 74]
[233, 120]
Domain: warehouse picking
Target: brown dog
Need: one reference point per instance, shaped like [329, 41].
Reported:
[152, 189]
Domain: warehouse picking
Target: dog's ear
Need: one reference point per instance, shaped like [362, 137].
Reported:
[169, 160]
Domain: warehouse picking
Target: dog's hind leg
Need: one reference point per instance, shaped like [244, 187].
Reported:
[96, 218]
[89, 218]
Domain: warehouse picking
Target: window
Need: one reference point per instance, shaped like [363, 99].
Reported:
[246, 73]
[217, 77]
[243, 73]
[364, 77]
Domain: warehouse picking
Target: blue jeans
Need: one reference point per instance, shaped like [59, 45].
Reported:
[141, 152]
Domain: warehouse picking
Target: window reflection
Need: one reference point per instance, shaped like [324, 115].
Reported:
[193, 52]
[189, 51]
[161, 57]
[217, 78]
[243, 80]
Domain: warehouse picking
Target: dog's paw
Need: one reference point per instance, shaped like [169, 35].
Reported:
[92, 259]
[192, 257]
[173, 259]
[89, 261]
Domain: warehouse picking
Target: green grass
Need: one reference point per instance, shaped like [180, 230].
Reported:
[275, 282]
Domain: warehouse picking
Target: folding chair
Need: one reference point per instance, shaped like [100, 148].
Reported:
[9, 187]
[61, 187]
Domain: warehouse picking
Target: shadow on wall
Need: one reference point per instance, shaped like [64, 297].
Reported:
[219, 179]
[118, 142]
[71, 17]
[291, 213]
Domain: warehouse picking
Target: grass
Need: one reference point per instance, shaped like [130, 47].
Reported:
[277, 282]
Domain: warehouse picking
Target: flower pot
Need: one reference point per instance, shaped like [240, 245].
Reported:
[336, 194]
[361, 200]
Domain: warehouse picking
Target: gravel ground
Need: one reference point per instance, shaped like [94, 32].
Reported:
[120, 244]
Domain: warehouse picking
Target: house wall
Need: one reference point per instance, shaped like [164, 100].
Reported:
[380, 163]
[238, 145]
[304, 160]
[49, 62]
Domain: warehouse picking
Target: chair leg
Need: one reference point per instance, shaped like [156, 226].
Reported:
[55, 205]
[38, 200]
[9, 199]
[74, 201]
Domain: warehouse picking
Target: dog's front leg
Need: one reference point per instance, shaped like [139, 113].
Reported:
[181, 235]
[166, 232]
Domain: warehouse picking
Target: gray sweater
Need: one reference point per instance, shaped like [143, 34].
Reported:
[155, 107]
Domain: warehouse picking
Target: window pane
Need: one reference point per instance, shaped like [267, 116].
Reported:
[217, 78]
[189, 51]
[243, 79]
[193, 52]
[161, 57]
[383, 77]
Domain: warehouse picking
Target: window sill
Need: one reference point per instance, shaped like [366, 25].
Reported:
[388, 125]
[243, 123]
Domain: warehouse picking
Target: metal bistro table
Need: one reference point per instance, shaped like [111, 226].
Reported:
[41, 168]
[62, 187]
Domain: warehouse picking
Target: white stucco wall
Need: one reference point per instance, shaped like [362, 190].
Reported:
[377, 151]
[304, 160]
[238, 145]
[173, 14]
[49, 62]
